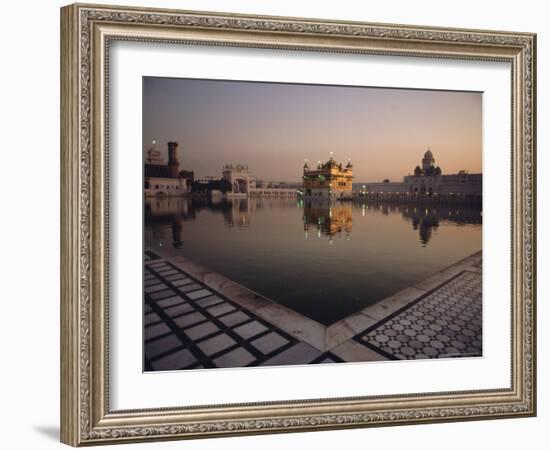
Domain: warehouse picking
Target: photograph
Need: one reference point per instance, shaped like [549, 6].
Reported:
[287, 220]
[293, 224]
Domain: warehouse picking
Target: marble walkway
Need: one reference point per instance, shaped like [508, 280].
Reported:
[192, 323]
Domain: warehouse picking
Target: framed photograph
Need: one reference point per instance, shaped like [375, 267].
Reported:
[275, 224]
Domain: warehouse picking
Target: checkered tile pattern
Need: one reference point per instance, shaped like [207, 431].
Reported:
[444, 323]
[188, 325]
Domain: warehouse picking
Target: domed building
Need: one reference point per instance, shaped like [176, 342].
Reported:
[428, 180]
[428, 161]
[328, 180]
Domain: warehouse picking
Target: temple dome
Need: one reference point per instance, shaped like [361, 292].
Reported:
[428, 154]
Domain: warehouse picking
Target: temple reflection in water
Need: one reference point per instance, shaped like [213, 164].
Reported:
[161, 212]
[367, 250]
[427, 219]
[320, 218]
[327, 218]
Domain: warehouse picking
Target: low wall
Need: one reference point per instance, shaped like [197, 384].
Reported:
[456, 199]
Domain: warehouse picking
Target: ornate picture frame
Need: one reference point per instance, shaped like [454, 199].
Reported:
[87, 31]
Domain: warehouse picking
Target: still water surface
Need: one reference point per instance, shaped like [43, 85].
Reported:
[322, 260]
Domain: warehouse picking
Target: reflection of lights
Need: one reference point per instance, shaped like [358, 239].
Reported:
[330, 241]
[318, 233]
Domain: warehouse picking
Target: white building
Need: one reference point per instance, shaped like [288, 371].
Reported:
[166, 186]
[242, 182]
[428, 180]
[165, 178]
[462, 183]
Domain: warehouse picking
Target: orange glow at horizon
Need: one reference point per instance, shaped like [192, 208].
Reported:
[273, 127]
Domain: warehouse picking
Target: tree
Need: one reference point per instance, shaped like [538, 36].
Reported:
[198, 187]
[223, 185]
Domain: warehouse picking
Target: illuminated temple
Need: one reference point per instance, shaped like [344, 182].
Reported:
[330, 180]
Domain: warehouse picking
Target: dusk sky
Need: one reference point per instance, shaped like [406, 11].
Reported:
[273, 127]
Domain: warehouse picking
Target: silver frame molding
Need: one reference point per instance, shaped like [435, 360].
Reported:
[86, 31]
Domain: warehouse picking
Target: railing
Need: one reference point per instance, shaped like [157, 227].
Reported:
[454, 198]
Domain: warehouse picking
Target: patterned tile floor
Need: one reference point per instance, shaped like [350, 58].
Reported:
[445, 322]
[188, 325]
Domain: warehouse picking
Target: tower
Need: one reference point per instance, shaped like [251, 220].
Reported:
[173, 163]
[428, 161]
[153, 155]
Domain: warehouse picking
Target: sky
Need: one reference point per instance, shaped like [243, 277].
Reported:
[274, 127]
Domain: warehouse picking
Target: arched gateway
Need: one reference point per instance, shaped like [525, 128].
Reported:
[242, 182]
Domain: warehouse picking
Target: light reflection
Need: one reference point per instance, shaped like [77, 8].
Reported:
[257, 242]
[331, 219]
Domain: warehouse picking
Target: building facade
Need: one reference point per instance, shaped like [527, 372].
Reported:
[242, 181]
[165, 179]
[244, 184]
[328, 181]
[428, 180]
[274, 192]
[462, 183]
